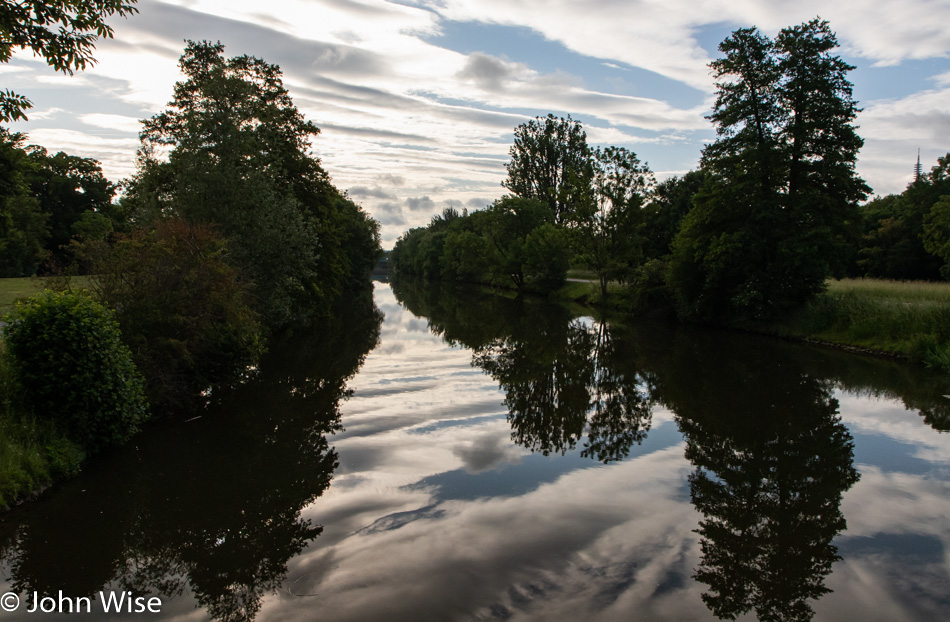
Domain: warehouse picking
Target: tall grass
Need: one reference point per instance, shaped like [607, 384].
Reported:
[895, 291]
[906, 318]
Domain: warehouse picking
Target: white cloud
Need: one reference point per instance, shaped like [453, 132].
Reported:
[112, 121]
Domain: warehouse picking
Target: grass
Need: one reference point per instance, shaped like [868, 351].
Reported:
[12, 290]
[910, 319]
[893, 291]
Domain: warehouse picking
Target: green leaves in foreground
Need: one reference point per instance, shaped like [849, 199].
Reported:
[68, 355]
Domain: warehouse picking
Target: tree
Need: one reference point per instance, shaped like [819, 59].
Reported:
[550, 161]
[23, 224]
[900, 237]
[233, 150]
[68, 187]
[61, 31]
[669, 203]
[510, 223]
[606, 223]
[185, 312]
[777, 214]
[937, 233]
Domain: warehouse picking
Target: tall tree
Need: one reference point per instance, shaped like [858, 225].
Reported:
[232, 149]
[551, 162]
[777, 213]
[63, 32]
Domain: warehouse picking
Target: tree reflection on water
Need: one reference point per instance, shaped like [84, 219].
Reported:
[759, 418]
[213, 508]
[772, 460]
[210, 507]
[565, 379]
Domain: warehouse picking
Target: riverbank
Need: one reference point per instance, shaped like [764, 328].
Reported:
[33, 453]
[899, 319]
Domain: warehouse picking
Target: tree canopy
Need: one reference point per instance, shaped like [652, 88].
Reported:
[63, 32]
[551, 162]
[777, 213]
[233, 150]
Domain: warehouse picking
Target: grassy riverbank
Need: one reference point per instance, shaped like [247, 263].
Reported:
[33, 453]
[899, 318]
[910, 319]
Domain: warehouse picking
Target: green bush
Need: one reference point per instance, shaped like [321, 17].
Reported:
[185, 312]
[68, 356]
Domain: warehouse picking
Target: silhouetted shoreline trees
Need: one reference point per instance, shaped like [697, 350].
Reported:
[773, 211]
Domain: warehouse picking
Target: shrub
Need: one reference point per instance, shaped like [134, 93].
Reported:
[67, 354]
[184, 310]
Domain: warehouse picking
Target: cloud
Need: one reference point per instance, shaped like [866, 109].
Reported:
[491, 73]
[392, 100]
[895, 129]
[416, 204]
[112, 121]
[375, 192]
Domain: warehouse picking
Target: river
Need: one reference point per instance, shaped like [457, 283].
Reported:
[455, 455]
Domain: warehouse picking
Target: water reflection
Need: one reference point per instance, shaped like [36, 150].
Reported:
[506, 458]
[772, 460]
[210, 508]
[771, 455]
[564, 379]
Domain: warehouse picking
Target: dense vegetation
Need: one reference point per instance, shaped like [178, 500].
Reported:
[773, 211]
[229, 232]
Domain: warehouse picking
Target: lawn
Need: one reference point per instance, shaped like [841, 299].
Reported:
[12, 290]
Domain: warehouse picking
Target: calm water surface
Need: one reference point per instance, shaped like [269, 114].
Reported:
[458, 456]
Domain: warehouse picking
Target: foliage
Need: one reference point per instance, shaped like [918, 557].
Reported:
[31, 452]
[550, 162]
[936, 235]
[68, 355]
[571, 204]
[23, 225]
[893, 244]
[777, 214]
[68, 188]
[547, 256]
[669, 203]
[61, 31]
[45, 200]
[239, 480]
[512, 243]
[232, 150]
[606, 224]
[183, 309]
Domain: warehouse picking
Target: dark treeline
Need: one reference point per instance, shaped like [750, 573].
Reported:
[774, 209]
[229, 233]
[229, 230]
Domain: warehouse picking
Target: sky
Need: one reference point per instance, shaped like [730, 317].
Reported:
[417, 100]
